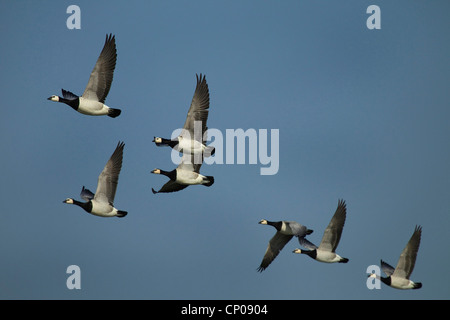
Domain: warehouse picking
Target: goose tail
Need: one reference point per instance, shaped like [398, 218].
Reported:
[417, 285]
[114, 112]
[121, 213]
[210, 180]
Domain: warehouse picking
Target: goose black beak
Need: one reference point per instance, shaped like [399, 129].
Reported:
[49, 98]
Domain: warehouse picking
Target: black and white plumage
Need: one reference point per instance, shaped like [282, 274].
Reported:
[326, 251]
[187, 173]
[92, 101]
[192, 139]
[285, 231]
[102, 202]
[399, 277]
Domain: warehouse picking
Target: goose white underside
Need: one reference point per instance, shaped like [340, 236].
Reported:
[190, 146]
[327, 256]
[401, 283]
[189, 177]
[93, 108]
[103, 209]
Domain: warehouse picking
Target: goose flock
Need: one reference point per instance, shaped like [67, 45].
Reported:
[191, 142]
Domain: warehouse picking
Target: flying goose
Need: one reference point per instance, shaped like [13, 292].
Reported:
[399, 277]
[192, 137]
[93, 98]
[285, 231]
[187, 173]
[101, 203]
[326, 251]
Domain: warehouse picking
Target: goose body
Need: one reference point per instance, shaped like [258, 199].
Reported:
[192, 137]
[97, 208]
[101, 202]
[92, 102]
[326, 251]
[398, 277]
[286, 230]
[187, 173]
[322, 255]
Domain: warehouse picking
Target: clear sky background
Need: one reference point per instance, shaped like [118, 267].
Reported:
[363, 115]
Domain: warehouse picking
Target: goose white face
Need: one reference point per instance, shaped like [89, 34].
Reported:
[263, 221]
[297, 251]
[156, 171]
[158, 140]
[68, 200]
[54, 98]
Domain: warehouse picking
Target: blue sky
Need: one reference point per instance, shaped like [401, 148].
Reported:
[362, 115]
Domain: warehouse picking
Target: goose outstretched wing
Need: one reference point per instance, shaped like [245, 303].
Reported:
[102, 75]
[109, 177]
[198, 111]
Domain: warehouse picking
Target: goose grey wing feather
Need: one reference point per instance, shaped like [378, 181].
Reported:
[86, 194]
[170, 186]
[109, 177]
[277, 243]
[296, 228]
[306, 243]
[387, 268]
[198, 111]
[408, 256]
[102, 75]
[333, 232]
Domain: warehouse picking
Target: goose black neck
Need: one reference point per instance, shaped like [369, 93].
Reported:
[311, 253]
[171, 143]
[277, 225]
[170, 174]
[74, 103]
[386, 280]
[85, 205]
